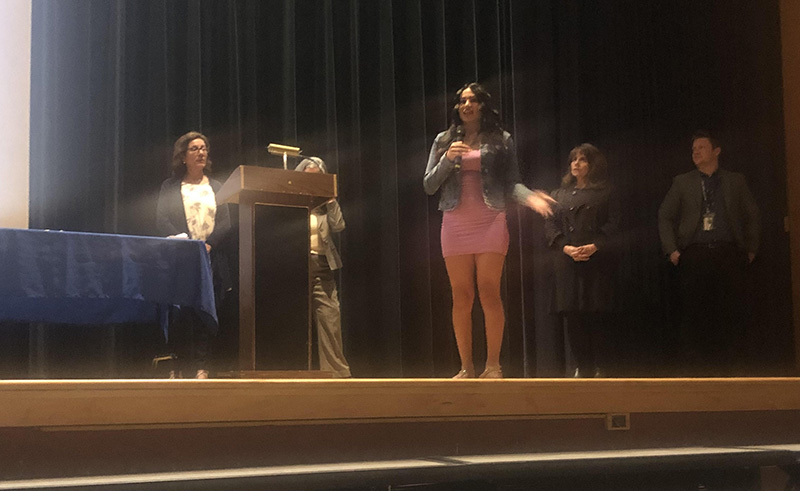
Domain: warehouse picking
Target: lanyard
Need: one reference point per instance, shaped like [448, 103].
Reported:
[707, 195]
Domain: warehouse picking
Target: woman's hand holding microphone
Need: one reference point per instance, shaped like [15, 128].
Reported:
[457, 150]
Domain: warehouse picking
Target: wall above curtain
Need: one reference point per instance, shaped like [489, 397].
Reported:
[366, 84]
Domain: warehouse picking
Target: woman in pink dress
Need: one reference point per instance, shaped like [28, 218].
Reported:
[473, 164]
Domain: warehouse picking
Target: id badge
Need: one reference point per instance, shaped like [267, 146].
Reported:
[708, 222]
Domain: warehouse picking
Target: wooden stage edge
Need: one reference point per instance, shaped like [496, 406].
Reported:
[124, 403]
[79, 428]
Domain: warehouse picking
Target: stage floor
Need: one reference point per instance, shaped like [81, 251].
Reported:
[73, 428]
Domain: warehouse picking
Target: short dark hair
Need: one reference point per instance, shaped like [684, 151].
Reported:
[705, 134]
[179, 153]
[598, 165]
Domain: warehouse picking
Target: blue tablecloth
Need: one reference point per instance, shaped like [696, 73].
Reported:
[85, 278]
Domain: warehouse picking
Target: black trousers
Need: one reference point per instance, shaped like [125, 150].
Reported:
[188, 340]
[588, 341]
[713, 309]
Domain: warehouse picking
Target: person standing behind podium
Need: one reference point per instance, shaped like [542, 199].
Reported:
[474, 166]
[187, 207]
[582, 232]
[325, 259]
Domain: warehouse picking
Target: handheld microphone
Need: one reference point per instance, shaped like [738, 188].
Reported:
[459, 138]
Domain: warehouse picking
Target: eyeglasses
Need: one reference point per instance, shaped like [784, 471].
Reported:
[197, 149]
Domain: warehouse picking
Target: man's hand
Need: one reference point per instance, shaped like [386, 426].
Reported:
[675, 257]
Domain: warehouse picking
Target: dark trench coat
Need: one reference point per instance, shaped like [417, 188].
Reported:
[584, 216]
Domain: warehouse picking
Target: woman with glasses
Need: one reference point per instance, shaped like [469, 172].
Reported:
[473, 165]
[187, 207]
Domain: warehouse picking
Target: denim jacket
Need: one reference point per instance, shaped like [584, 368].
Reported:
[499, 174]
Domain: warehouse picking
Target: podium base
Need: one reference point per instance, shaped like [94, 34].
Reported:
[277, 374]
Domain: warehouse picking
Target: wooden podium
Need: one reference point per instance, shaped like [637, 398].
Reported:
[274, 289]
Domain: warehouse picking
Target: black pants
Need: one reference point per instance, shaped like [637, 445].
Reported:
[188, 340]
[586, 332]
[713, 309]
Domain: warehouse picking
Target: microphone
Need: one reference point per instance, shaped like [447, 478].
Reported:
[459, 138]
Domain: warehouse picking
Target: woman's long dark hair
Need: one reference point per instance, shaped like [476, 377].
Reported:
[490, 117]
[179, 153]
[598, 166]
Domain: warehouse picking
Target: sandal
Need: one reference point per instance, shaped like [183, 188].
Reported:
[464, 373]
[492, 372]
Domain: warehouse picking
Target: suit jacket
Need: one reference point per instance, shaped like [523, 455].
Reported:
[331, 221]
[681, 211]
[331, 218]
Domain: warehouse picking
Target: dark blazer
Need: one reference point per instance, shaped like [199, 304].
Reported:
[171, 220]
[171, 217]
[586, 216]
[681, 211]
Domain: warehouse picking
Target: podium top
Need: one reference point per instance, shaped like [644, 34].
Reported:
[249, 184]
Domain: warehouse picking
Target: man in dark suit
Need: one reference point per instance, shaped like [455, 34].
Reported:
[709, 228]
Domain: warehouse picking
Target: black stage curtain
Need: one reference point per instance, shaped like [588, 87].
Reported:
[366, 84]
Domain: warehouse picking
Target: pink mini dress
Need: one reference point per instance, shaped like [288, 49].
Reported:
[472, 227]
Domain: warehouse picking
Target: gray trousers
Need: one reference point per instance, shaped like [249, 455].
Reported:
[327, 317]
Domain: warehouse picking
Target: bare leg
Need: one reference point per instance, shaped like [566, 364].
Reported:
[489, 273]
[461, 270]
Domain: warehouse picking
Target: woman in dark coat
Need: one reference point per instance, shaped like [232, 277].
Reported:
[582, 232]
[187, 208]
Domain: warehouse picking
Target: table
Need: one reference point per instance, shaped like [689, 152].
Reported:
[89, 278]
